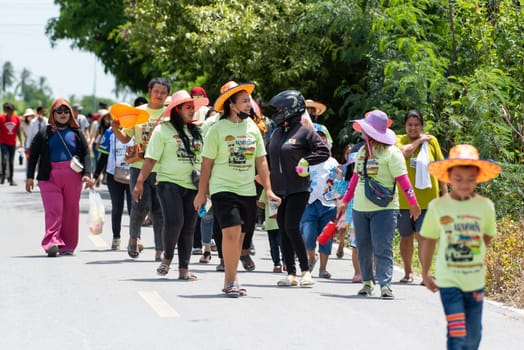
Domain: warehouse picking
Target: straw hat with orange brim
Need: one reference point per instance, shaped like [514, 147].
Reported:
[319, 107]
[182, 96]
[464, 155]
[229, 89]
[128, 116]
[376, 125]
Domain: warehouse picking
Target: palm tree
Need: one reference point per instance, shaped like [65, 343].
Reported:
[7, 77]
[24, 81]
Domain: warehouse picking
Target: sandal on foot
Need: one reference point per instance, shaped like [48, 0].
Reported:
[220, 266]
[306, 281]
[132, 251]
[324, 274]
[232, 290]
[406, 279]
[340, 253]
[247, 262]
[356, 279]
[139, 245]
[205, 258]
[163, 269]
[188, 277]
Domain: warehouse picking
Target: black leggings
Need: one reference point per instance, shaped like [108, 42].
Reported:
[119, 193]
[288, 217]
[180, 219]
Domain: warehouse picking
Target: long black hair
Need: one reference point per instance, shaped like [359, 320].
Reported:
[178, 123]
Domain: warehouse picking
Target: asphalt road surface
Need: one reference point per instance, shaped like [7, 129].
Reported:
[102, 299]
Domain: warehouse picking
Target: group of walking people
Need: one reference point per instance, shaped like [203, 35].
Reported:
[178, 166]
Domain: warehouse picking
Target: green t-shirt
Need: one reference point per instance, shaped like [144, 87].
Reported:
[141, 131]
[173, 162]
[387, 164]
[234, 148]
[459, 226]
[208, 123]
[426, 195]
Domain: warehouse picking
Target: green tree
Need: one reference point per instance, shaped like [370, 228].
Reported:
[7, 77]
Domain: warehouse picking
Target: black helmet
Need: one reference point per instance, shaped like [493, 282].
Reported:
[287, 104]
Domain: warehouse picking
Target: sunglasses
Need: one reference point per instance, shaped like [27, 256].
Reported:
[62, 111]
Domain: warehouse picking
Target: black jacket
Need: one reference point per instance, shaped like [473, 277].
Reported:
[40, 154]
[285, 150]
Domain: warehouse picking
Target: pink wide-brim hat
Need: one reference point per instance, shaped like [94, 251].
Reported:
[376, 125]
[464, 155]
[181, 97]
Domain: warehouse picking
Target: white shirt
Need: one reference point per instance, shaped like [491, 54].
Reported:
[37, 124]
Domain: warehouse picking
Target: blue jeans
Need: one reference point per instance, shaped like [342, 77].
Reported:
[374, 232]
[464, 317]
[314, 218]
[206, 227]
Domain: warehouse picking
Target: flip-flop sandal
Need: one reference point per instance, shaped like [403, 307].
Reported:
[405, 279]
[232, 291]
[163, 269]
[188, 277]
[132, 251]
[247, 262]
[324, 274]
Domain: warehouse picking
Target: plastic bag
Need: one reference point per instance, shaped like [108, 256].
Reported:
[96, 213]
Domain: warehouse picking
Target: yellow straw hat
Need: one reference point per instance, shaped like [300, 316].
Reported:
[319, 107]
[464, 155]
[128, 116]
[229, 89]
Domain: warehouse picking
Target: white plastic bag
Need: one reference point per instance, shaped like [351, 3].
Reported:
[96, 215]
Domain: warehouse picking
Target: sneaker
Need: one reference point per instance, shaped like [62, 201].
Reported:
[115, 244]
[307, 280]
[205, 258]
[288, 281]
[52, 252]
[367, 289]
[386, 292]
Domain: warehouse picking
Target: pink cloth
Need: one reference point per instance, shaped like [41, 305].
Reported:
[405, 185]
[61, 200]
[350, 192]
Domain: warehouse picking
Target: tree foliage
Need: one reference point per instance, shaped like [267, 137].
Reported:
[458, 61]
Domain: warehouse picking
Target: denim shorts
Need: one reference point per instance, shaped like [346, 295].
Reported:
[406, 225]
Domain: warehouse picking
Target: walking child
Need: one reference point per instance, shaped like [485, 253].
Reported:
[463, 222]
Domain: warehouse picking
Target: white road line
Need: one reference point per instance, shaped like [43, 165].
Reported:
[98, 241]
[157, 303]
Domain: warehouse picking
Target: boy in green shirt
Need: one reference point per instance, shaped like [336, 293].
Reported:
[464, 223]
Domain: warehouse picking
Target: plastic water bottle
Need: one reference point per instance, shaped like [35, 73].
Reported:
[327, 232]
[202, 211]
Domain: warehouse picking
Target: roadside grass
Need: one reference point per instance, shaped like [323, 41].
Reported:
[504, 261]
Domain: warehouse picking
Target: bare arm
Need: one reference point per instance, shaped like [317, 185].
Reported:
[426, 251]
[147, 167]
[487, 240]
[203, 184]
[119, 134]
[407, 150]
[263, 171]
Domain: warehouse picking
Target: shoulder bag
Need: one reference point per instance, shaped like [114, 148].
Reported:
[375, 192]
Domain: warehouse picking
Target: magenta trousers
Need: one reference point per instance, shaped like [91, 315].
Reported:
[61, 200]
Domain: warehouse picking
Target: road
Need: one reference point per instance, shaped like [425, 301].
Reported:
[102, 299]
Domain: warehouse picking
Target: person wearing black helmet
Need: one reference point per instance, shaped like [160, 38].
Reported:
[292, 148]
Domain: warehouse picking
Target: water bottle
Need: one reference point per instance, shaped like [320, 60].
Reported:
[202, 211]
[327, 232]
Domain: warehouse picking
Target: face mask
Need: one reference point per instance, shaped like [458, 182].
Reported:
[242, 115]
